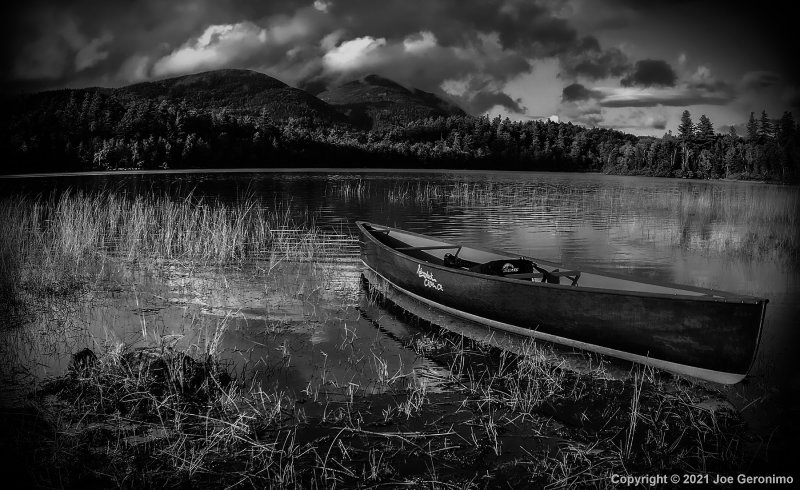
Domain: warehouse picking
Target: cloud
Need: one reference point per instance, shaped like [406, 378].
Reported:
[217, 47]
[576, 91]
[420, 42]
[587, 59]
[524, 26]
[640, 119]
[767, 90]
[91, 53]
[47, 56]
[683, 96]
[322, 5]
[758, 80]
[590, 119]
[649, 73]
[586, 112]
[475, 51]
[289, 47]
[40, 59]
[135, 69]
[354, 54]
[480, 45]
[473, 75]
[642, 107]
[485, 100]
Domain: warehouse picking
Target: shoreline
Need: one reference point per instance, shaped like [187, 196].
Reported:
[367, 170]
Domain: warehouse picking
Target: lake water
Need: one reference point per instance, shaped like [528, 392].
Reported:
[735, 236]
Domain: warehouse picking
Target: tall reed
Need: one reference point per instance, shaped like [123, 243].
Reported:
[48, 241]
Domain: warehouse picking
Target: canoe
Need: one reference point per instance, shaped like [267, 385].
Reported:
[702, 333]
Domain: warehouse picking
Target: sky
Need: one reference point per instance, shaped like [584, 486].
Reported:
[632, 65]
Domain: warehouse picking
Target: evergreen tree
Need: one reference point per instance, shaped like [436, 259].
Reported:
[733, 134]
[764, 126]
[705, 129]
[786, 128]
[686, 128]
[752, 128]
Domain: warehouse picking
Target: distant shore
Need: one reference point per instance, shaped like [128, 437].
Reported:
[353, 170]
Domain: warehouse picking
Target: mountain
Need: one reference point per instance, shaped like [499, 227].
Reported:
[377, 101]
[240, 91]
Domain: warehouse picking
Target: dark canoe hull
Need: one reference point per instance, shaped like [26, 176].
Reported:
[708, 337]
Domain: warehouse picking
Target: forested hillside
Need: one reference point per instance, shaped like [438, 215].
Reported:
[375, 102]
[244, 119]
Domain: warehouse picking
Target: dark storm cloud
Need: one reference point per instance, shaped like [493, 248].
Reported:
[470, 49]
[586, 58]
[483, 101]
[648, 73]
[475, 45]
[580, 102]
[765, 31]
[520, 25]
[757, 80]
[43, 39]
[576, 92]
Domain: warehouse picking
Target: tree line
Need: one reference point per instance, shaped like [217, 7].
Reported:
[94, 130]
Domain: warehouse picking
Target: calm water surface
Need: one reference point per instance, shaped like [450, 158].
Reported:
[658, 228]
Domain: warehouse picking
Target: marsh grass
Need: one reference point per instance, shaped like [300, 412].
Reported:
[349, 190]
[59, 245]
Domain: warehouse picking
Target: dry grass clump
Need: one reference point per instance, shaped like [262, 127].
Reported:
[574, 429]
[158, 418]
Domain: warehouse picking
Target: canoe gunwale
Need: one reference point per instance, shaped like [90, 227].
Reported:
[709, 295]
